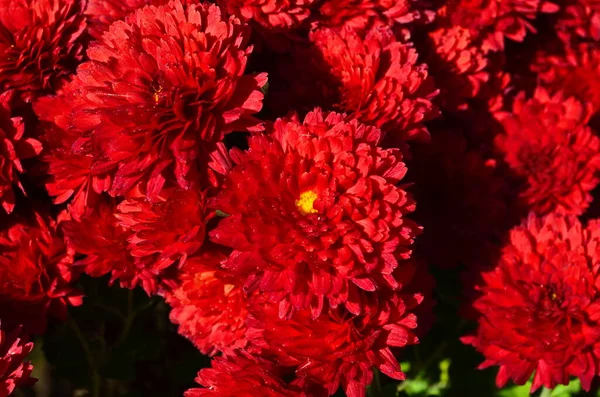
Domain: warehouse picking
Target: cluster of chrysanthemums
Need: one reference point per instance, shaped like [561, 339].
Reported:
[259, 163]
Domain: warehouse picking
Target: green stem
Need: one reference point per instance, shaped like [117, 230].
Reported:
[128, 320]
[546, 392]
[90, 358]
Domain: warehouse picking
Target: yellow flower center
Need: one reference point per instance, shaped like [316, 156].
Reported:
[306, 201]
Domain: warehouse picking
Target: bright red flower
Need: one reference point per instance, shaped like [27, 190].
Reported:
[270, 14]
[208, 306]
[14, 371]
[315, 214]
[40, 44]
[463, 70]
[494, 20]
[36, 272]
[102, 13]
[380, 82]
[342, 349]
[540, 307]
[148, 107]
[166, 229]
[547, 143]
[15, 146]
[366, 14]
[240, 375]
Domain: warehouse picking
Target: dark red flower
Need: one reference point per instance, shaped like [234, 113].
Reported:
[270, 14]
[40, 44]
[463, 70]
[314, 213]
[14, 371]
[15, 146]
[335, 349]
[546, 142]
[366, 14]
[148, 107]
[208, 306]
[102, 13]
[579, 19]
[240, 375]
[494, 20]
[463, 200]
[380, 82]
[540, 307]
[36, 272]
[574, 71]
[140, 239]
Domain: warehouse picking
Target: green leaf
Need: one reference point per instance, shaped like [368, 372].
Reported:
[516, 391]
[569, 390]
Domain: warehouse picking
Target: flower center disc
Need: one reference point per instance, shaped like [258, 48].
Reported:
[305, 203]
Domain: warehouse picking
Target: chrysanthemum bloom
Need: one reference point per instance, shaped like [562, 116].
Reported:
[208, 306]
[495, 20]
[540, 307]
[138, 240]
[148, 106]
[102, 13]
[14, 147]
[546, 143]
[40, 44]
[380, 81]
[14, 371]
[314, 213]
[342, 349]
[241, 375]
[166, 229]
[278, 15]
[366, 14]
[474, 205]
[576, 72]
[579, 19]
[36, 272]
[462, 69]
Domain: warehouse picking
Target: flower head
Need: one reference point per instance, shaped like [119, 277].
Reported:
[547, 143]
[540, 307]
[495, 20]
[380, 82]
[342, 349]
[241, 375]
[148, 107]
[279, 15]
[14, 371]
[36, 272]
[15, 146]
[315, 213]
[208, 306]
[40, 45]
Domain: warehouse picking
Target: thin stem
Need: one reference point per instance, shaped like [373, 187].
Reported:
[90, 358]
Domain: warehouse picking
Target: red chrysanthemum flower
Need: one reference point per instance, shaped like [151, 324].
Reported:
[36, 272]
[579, 19]
[40, 44]
[575, 71]
[241, 375]
[209, 307]
[546, 142]
[315, 214]
[14, 147]
[463, 200]
[270, 14]
[540, 307]
[493, 20]
[342, 349]
[366, 14]
[463, 70]
[102, 13]
[148, 107]
[14, 371]
[140, 239]
[380, 82]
